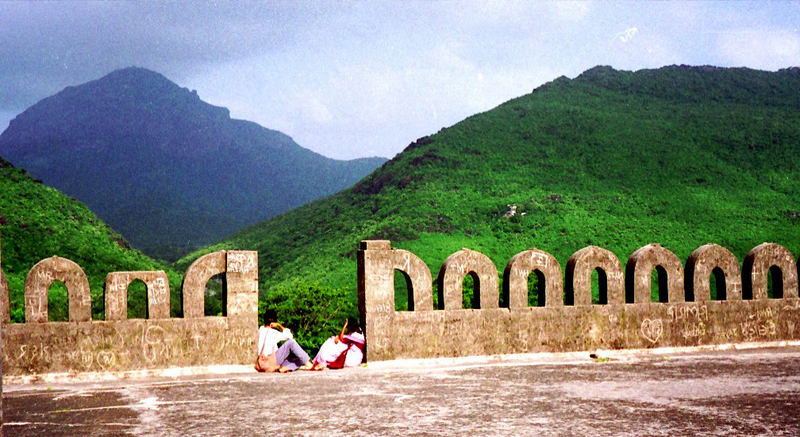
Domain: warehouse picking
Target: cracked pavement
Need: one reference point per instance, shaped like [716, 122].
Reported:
[733, 392]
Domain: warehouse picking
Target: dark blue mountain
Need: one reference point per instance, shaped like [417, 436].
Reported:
[165, 169]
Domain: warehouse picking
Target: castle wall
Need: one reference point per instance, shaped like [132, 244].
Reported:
[118, 343]
[625, 317]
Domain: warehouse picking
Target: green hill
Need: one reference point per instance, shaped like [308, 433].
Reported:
[680, 156]
[37, 222]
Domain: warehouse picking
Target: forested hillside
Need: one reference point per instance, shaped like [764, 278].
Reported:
[37, 222]
[680, 156]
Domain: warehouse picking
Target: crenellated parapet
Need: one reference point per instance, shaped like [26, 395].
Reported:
[39, 279]
[625, 313]
[118, 343]
[116, 294]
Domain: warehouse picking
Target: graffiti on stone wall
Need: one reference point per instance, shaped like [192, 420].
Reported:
[39, 279]
[652, 329]
[116, 294]
[130, 345]
[120, 344]
[623, 314]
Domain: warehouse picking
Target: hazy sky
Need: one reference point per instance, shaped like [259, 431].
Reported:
[353, 79]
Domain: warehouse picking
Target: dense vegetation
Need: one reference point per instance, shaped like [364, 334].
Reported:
[37, 222]
[165, 169]
[680, 156]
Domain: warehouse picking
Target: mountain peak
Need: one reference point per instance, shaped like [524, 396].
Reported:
[132, 98]
[135, 77]
[149, 156]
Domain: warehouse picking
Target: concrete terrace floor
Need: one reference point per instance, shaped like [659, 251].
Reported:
[669, 392]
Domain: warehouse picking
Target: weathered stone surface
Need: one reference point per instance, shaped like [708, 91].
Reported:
[464, 332]
[195, 279]
[757, 265]
[418, 279]
[38, 282]
[484, 278]
[639, 270]
[241, 281]
[704, 261]
[517, 271]
[116, 293]
[39, 346]
[733, 393]
[124, 345]
[376, 292]
[578, 281]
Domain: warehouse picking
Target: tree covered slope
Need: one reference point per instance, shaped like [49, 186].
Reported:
[680, 156]
[37, 222]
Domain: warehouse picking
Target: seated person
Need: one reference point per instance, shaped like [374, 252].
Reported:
[286, 358]
[342, 350]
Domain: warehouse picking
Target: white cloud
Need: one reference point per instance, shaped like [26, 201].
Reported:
[310, 108]
[628, 34]
[572, 10]
[768, 49]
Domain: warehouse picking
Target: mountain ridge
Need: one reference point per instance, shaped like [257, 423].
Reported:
[614, 159]
[149, 157]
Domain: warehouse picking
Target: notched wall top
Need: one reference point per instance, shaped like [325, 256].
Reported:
[195, 279]
[116, 291]
[757, 265]
[639, 271]
[117, 344]
[706, 260]
[625, 316]
[520, 267]
[38, 282]
[578, 281]
[484, 275]
[5, 312]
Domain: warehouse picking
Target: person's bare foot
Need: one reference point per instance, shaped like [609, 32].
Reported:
[284, 369]
[307, 366]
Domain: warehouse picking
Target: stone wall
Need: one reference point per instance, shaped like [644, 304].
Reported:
[624, 317]
[118, 344]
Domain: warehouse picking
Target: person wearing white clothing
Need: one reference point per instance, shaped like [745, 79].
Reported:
[342, 350]
[290, 355]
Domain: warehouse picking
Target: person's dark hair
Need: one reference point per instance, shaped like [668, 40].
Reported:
[353, 325]
[270, 315]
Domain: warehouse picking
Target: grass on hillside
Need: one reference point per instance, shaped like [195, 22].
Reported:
[37, 222]
[613, 159]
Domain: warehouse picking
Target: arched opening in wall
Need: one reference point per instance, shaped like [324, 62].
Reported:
[176, 301]
[659, 288]
[216, 296]
[137, 300]
[438, 296]
[57, 302]
[775, 283]
[599, 283]
[536, 289]
[403, 292]
[16, 300]
[717, 284]
[470, 291]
